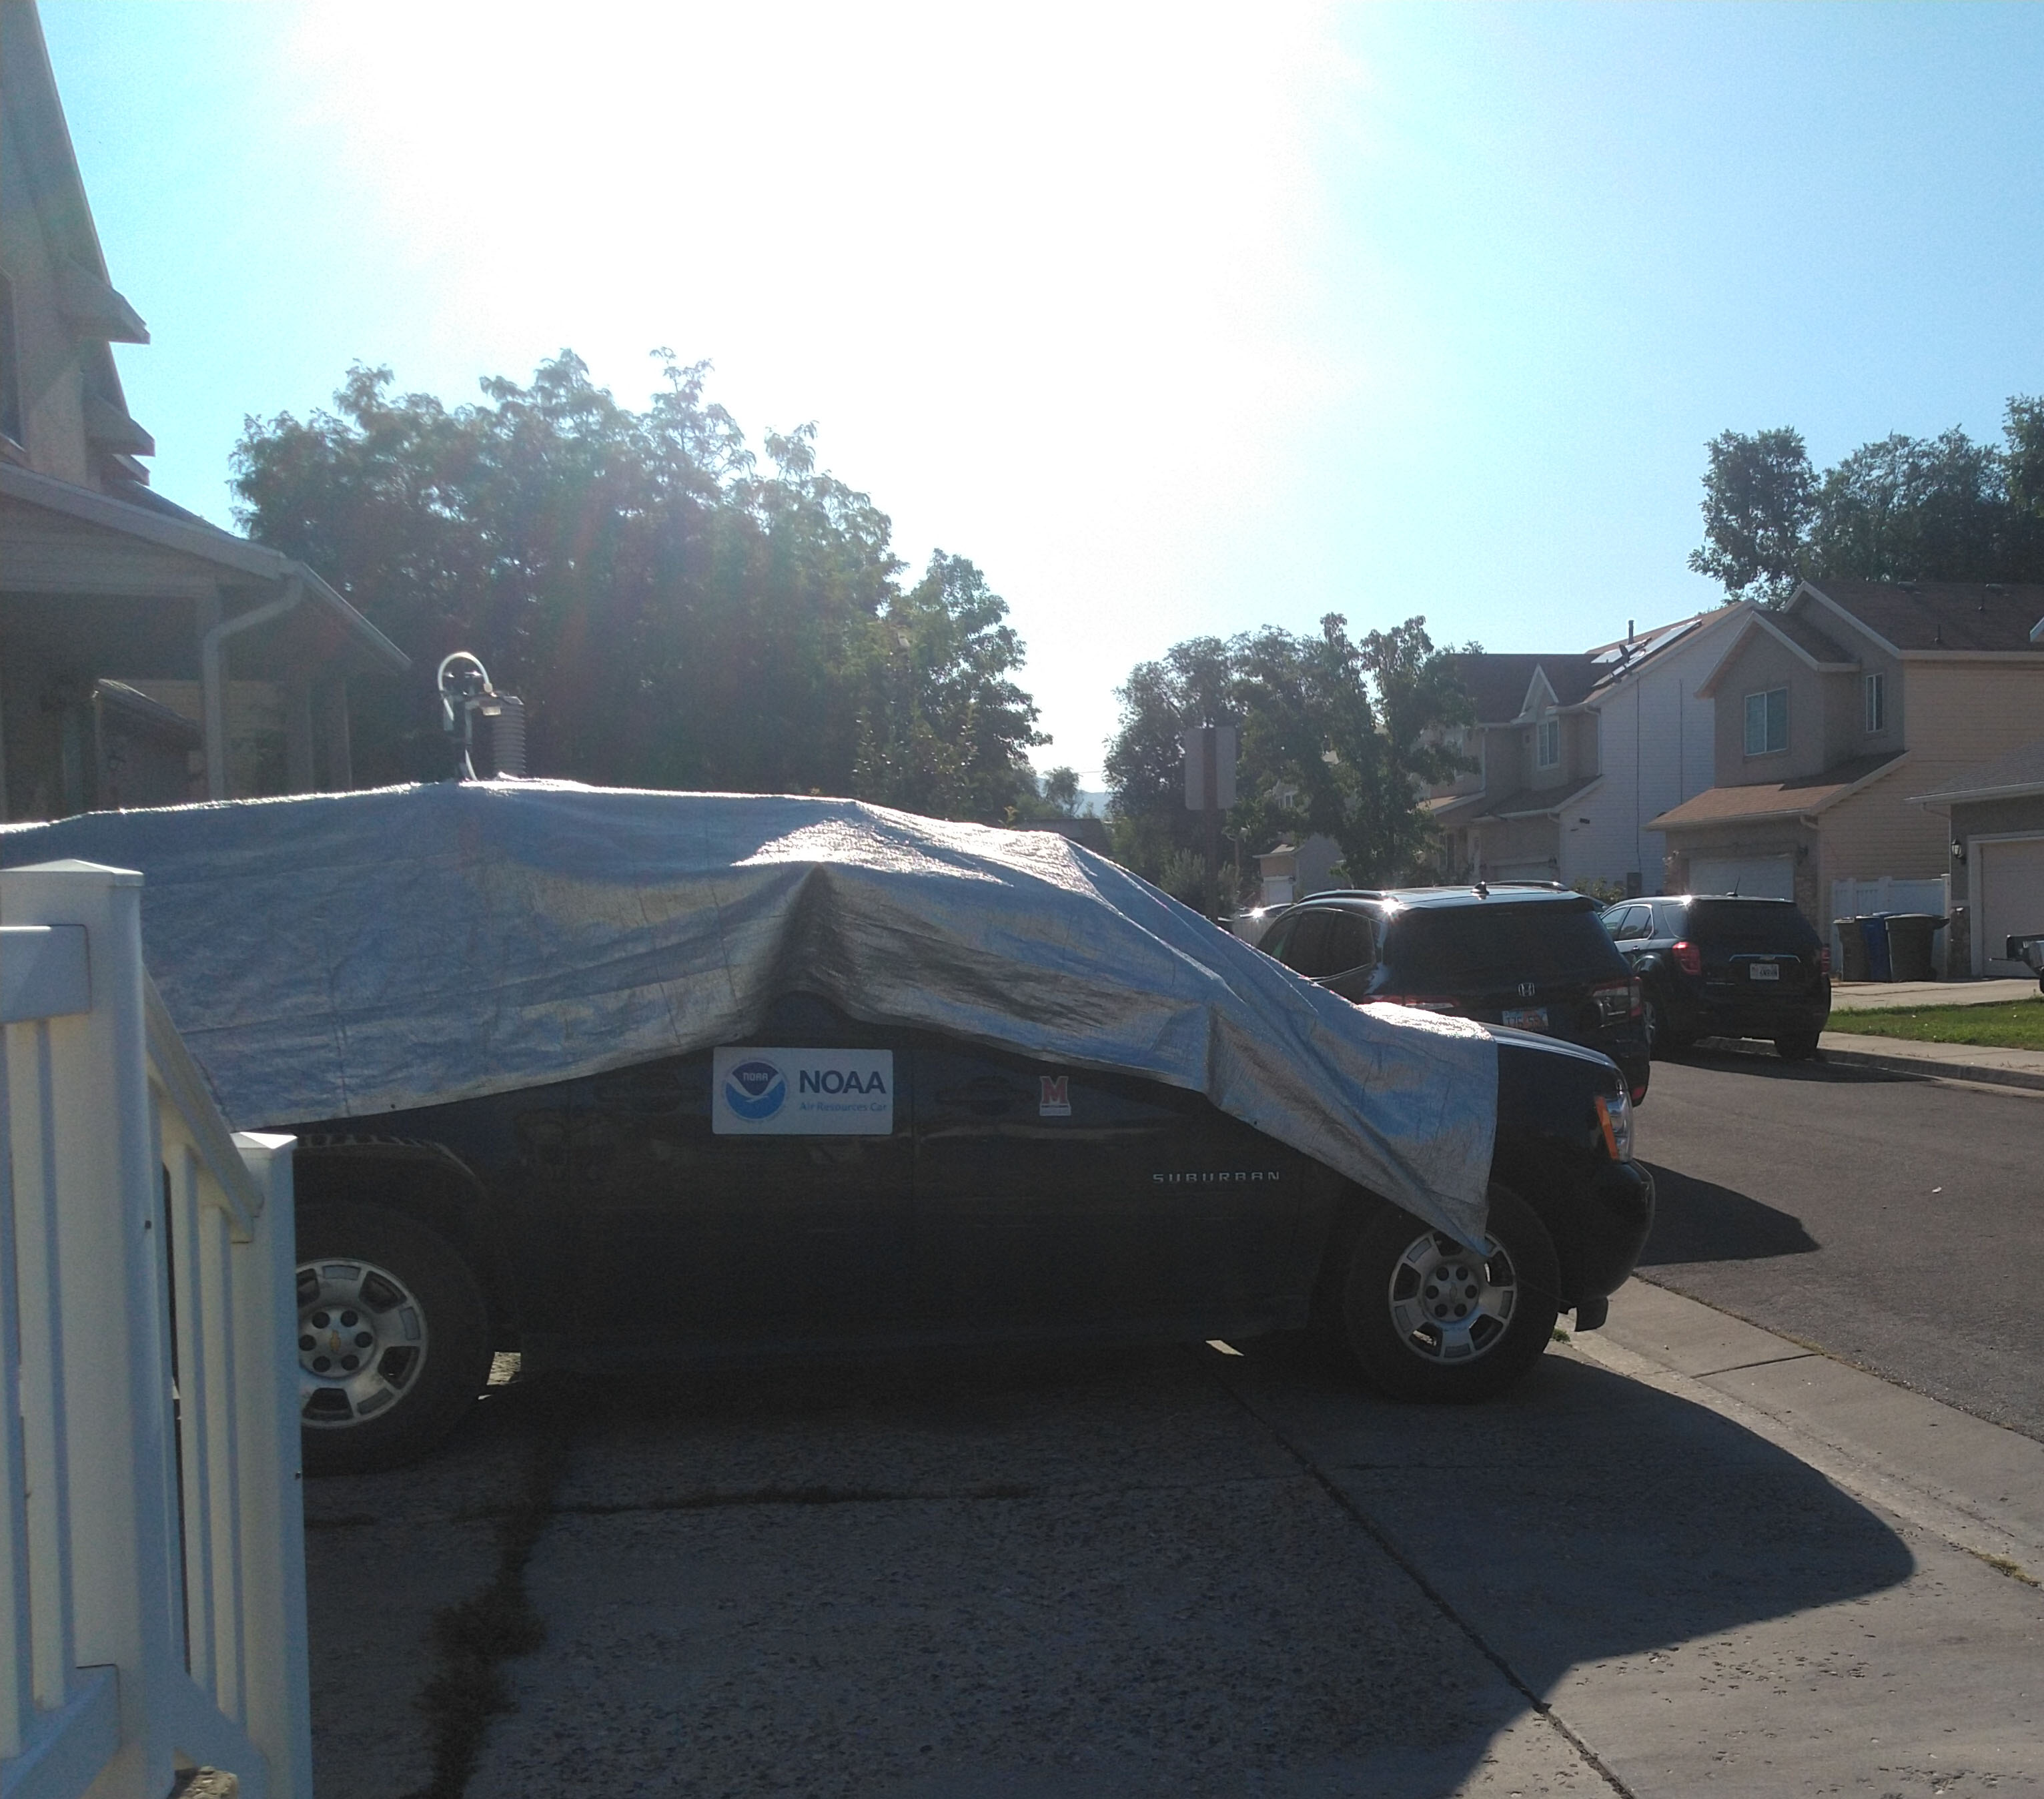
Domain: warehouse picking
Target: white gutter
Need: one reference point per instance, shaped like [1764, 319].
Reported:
[212, 676]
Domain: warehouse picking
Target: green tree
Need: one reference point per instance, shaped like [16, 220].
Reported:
[1336, 736]
[673, 613]
[1904, 509]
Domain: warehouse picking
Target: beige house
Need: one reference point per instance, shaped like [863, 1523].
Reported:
[146, 656]
[1831, 713]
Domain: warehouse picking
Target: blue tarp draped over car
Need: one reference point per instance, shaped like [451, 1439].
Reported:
[353, 954]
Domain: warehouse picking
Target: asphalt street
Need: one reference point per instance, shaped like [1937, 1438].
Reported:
[1893, 1222]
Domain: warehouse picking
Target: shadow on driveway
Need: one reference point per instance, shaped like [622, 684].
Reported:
[1130, 1571]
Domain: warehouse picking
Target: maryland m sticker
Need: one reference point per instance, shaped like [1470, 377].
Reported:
[1055, 1100]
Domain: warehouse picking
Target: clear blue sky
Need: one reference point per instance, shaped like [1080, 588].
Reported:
[1176, 321]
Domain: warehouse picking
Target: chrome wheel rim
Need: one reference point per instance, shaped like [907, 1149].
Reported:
[363, 1342]
[1450, 1304]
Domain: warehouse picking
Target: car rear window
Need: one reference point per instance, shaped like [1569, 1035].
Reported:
[1482, 945]
[1749, 924]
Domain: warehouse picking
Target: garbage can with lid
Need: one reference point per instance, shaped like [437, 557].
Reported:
[1873, 928]
[1852, 949]
[1909, 934]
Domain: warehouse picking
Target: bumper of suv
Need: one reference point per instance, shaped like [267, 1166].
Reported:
[1616, 1214]
[1744, 1017]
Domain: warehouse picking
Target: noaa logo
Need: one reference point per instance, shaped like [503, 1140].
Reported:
[754, 1090]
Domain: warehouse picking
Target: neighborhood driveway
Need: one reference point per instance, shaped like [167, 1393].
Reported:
[1160, 1571]
[1895, 1222]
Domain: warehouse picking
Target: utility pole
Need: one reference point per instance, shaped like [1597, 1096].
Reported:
[1210, 790]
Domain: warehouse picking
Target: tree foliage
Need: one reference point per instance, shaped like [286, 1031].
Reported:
[1904, 509]
[1337, 736]
[673, 613]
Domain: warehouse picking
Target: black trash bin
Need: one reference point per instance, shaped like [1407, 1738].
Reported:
[1909, 934]
[1852, 949]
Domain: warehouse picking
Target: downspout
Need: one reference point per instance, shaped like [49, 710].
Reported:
[211, 674]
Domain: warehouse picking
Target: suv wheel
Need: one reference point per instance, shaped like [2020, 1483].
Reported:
[393, 1342]
[1798, 1048]
[1425, 1319]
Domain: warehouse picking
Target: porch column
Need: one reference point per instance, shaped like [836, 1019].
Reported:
[333, 722]
[213, 696]
[298, 776]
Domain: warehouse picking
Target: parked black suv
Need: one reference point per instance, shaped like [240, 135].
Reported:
[1510, 953]
[1712, 967]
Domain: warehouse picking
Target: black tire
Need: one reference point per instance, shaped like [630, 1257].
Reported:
[429, 1356]
[1383, 1288]
[1797, 1049]
[1655, 1027]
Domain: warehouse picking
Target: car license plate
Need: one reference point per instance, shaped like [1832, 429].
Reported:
[1527, 1017]
[1764, 970]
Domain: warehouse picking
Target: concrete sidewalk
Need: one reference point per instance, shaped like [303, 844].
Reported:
[1886, 996]
[1950, 1062]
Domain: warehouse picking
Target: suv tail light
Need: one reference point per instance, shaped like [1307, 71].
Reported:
[1688, 958]
[1616, 1000]
[1824, 961]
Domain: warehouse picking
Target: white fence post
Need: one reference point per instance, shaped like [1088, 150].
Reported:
[152, 1573]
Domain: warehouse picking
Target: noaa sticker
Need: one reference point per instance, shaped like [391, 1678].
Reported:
[1055, 1100]
[755, 1090]
[802, 1092]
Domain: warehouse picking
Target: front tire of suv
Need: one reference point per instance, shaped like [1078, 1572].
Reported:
[1425, 1319]
[394, 1343]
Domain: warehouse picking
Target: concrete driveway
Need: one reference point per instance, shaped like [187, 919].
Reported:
[1165, 1571]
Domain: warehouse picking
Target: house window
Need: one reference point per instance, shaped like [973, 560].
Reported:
[10, 369]
[1876, 702]
[1547, 735]
[1767, 721]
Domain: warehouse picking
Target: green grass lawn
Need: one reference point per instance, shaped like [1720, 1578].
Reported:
[2018, 1024]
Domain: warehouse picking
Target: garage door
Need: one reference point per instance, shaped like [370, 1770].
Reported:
[1756, 877]
[2012, 899]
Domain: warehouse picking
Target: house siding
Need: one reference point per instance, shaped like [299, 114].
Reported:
[1760, 663]
[53, 382]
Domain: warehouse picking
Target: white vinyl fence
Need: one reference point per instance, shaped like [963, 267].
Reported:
[1855, 899]
[152, 1609]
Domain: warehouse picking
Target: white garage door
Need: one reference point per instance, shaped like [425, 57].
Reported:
[1756, 877]
[2012, 899]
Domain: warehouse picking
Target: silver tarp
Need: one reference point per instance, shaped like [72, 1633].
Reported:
[351, 954]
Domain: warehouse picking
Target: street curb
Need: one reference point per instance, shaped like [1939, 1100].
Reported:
[1941, 1071]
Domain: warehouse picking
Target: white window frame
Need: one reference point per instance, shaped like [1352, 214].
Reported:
[1874, 706]
[1767, 746]
[1547, 743]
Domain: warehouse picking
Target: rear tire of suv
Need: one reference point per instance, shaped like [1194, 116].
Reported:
[365, 1273]
[1797, 1049]
[1425, 1319]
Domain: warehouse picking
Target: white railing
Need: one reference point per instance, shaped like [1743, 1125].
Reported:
[152, 1609]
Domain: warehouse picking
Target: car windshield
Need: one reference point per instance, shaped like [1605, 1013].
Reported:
[1749, 924]
[1475, 946]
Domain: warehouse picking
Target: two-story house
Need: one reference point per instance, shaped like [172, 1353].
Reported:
[1832, 712]
[146, 656]
[1574, 752]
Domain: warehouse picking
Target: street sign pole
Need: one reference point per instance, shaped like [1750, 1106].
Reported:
[1209, 764]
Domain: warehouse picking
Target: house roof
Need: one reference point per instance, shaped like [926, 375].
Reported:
[49, 172]
[1619, 661]
[1940, 615]
[1498, 683]
[2020, 772]
[1534, 802]
[170, 528]
[1774, 799]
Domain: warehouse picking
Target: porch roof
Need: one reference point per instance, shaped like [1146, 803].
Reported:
[1777, 799]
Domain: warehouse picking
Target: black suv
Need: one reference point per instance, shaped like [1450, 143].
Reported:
[1509, 953]
[1725, 967]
